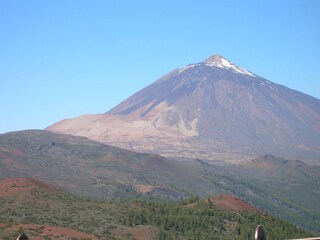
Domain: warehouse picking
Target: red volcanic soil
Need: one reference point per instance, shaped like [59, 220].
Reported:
[40, 232]
[233, 203]
[23, 186]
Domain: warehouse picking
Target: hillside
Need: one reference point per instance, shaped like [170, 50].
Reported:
[24, 187]
[284, 187]
[214, 110]
[83, 166]
[46, 212]
[230, 202]
[89, 168]
[268, 166]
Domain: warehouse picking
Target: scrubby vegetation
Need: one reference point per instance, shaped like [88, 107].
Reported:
[189, 219]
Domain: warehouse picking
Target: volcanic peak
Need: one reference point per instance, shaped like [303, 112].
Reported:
[217, 60]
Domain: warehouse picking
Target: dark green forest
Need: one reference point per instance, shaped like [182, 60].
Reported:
[200, 219]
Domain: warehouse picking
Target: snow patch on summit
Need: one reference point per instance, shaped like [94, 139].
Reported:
[218, 61]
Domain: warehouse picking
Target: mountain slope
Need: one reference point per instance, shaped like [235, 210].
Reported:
[59, 215]
[84, 166]
[213, 109]
[89, 168]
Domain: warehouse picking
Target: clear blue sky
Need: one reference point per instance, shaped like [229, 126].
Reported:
[63, 58]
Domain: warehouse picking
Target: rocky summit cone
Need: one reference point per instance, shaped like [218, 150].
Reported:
[214, 109]
[219, 61]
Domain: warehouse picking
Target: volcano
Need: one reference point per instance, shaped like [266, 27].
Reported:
[215, 110]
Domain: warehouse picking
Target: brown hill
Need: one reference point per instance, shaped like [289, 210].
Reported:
[233, 203]
[213, 110]
[24, 187]
[40, 232]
